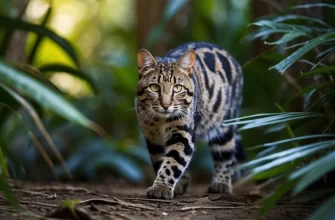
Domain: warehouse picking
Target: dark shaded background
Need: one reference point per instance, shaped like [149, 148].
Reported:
[106, 35]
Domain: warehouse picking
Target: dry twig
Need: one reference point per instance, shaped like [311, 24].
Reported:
[38, 203]
[217, 207]
[30, 192]
[62, 188]
[117, 202]
[151, 200]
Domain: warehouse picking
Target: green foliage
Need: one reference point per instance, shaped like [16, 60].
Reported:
[25, 87]
[94, 155]
[326, 211]
[3, 164]
[7, 7]
[70, 205]
[170, 11]
[57, 67]
[41, 93]
[295, 163]
[106, 44]
[40, 31]
[290, 60]
[4, 188]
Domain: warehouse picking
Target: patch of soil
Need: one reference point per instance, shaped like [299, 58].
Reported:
[41, 201]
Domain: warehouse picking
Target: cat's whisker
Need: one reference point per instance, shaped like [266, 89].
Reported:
[131, 109]
[143, 115]
[179, 118]
[187, 115]
[144, 119]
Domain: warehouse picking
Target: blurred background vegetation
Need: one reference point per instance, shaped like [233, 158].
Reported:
[68, 75]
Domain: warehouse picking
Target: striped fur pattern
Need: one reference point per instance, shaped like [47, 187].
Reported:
[184, 97]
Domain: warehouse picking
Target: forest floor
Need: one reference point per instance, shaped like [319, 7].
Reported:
[94, 201]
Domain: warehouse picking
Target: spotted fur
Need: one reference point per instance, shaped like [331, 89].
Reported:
[184, 97]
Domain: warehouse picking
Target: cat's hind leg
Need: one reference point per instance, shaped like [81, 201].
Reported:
[183, 184]
[223, 149]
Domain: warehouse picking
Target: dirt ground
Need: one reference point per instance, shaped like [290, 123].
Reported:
[42, 201]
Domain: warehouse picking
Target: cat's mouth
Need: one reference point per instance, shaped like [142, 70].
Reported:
[164, 113]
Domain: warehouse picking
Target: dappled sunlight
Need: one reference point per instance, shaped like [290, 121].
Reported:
[92, 26]
[70, 84]
[37, 9]
[69, 75]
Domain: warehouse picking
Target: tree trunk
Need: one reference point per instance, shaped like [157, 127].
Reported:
[149, 13]
[16, 48]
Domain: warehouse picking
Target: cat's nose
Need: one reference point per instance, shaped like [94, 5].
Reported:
[165, 106]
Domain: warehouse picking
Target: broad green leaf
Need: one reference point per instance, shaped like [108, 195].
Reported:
[3, 164]
[307, 62]
[325, 211]
[39, 38]
[266, 151]
[253, 116]
[291, 157]
[5, 189]
[265, 123]
[288, 127]
[270, 181]
[309, 148]
[286, 63]
[119, 162]
[300, 17]
[272, 199]
[139, 153]
[328, 51]
[317, 87]
[37, 74]
[308, 98]
[41, 31]
[282, 26]
[326, 97]
[313, 171]
[275, 128]
[95, 154]
[317, 71]
[306, 137]
[18, 169]
[56, 67]
[171, 9]
[296, 45]
[48, 98]
[314, 5]
[288, 37]
[260, 118]
[314, 195]
[275, 171]
[265, 33]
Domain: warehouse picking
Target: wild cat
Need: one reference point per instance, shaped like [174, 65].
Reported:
[183, 97]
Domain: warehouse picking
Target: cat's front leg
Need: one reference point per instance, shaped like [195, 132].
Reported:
[178, 153]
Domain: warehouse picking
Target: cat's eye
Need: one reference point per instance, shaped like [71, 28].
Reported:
[154, 87]
[177, 88]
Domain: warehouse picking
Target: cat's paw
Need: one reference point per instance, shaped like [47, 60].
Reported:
[219, 187]
[182, 184]
[160, 192]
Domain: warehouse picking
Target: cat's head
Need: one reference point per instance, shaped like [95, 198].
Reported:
[165, 88]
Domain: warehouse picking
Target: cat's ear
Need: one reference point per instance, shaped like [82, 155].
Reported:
[145, 59]
[187, 61]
